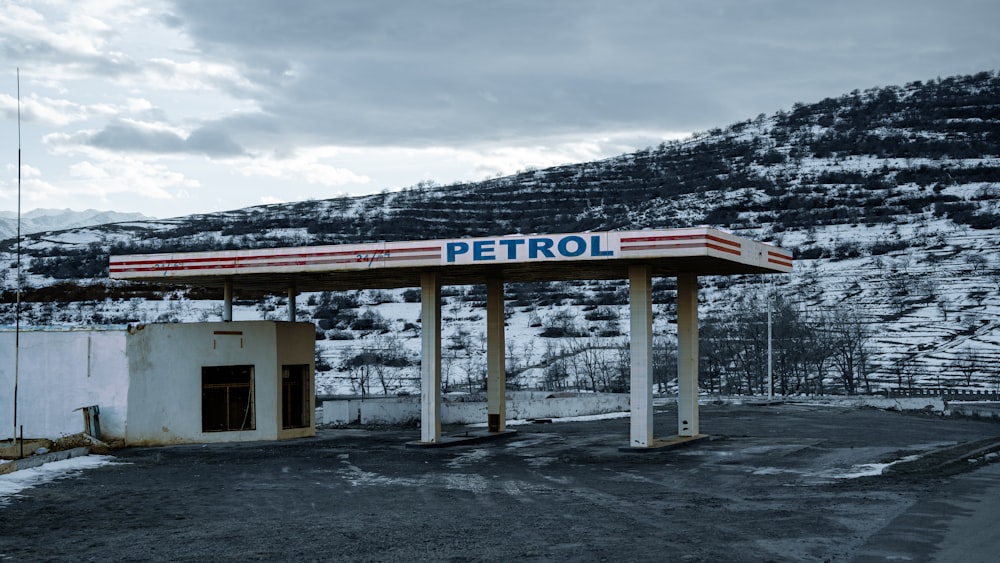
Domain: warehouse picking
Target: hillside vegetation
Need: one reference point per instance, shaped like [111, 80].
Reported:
[888, 197]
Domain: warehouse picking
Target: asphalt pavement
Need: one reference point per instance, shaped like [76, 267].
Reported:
[792, 482]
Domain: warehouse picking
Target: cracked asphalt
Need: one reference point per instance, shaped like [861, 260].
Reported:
[790, 482]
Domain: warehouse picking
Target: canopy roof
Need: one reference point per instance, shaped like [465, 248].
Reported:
[569, 256]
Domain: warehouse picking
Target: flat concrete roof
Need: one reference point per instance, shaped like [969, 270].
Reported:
[514, 258]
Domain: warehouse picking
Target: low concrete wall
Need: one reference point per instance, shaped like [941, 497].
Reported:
[981, 410]
[337, 412]
[934, 404]
[468, 410]
[948, 393]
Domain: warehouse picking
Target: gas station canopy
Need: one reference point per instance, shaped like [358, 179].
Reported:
[578, 256]
[634, 255]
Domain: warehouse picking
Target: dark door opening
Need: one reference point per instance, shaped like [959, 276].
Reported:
[227, 398]
[295, 396]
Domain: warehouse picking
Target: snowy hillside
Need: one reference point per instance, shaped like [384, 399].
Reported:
[41, 220]
[887, 197]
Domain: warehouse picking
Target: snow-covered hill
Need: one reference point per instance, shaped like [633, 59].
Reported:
[41, 220]
[889, 198]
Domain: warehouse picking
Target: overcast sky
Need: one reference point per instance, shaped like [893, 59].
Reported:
[188, 106]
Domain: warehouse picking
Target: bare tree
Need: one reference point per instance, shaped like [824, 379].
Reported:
[664, 361]
[716, 358]
[789, 333]
[588, 364]
[555, 372]
[474, 366]
[358, 368]
[819, 344]
[969, 363]
[978, 263]
[905, 370]
[749, 343]
[994, 276]
[514, 363]
[389, 357]
[518, 361]
[621, 367]
[852, 347]
[378, 361]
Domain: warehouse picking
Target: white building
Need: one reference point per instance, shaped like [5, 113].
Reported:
[163, 383]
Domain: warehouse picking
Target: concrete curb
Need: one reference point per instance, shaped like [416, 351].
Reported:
[950, 458]
[37, 460]
[973, 455]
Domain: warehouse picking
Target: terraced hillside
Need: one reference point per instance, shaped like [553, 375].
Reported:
[889, 198]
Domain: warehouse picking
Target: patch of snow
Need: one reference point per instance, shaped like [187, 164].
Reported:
[13, 483]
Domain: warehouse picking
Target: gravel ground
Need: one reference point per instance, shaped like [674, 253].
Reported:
[773, 483]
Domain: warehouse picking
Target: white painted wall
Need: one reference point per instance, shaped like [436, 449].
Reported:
[146, 381]
[60, 371]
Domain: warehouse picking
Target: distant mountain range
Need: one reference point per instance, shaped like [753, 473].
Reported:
[889, 199]
[41, 220]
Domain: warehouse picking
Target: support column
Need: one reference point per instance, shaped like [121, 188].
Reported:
[291, 303]
[496, 379]
[687, 355]
[430, 358]
[640, 296]
[227, 301]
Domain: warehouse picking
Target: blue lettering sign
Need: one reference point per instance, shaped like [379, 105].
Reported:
[456, 248]
[483, 250]
[595, 247]
[578, 242]
[527, 248]
[511, 245]
[540, 245]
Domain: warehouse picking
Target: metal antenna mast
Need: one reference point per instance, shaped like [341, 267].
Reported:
[17, 306]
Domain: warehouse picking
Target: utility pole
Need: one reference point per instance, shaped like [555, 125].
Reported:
[770, 363]
[17, 309]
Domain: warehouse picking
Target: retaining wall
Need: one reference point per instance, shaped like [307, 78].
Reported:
[981, 410]
[520, 406]
[934, 404]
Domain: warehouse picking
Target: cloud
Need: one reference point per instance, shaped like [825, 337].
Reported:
[51, 111]
[411, 74]
[406, 73]
[67, 39]
[296, 98]
[311, 166]
[130, 136]
[193, 75]
[212, 142]
[127, 175]
[93, 182]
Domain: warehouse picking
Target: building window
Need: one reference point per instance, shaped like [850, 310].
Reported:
[295, 396]
[227, 399]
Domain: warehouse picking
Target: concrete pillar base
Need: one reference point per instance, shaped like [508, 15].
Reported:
[671, 443]
[466, 438]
